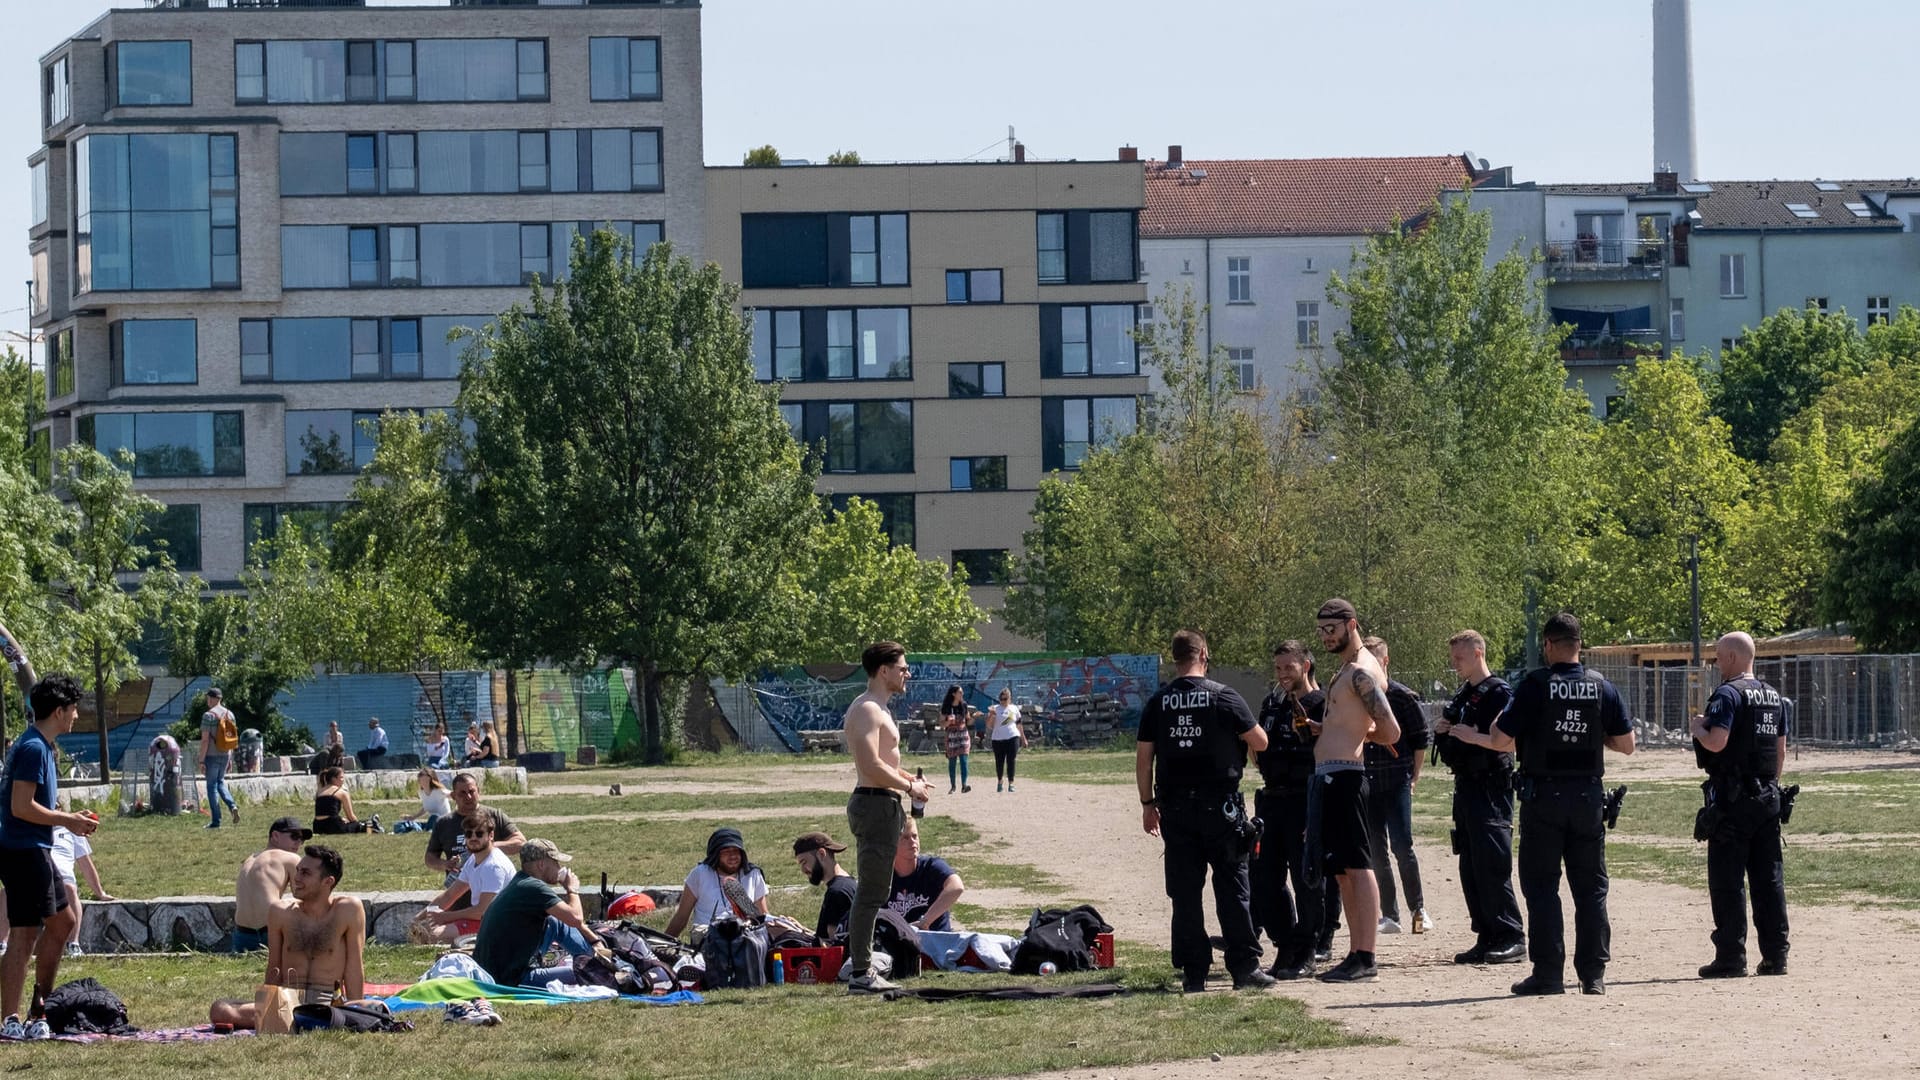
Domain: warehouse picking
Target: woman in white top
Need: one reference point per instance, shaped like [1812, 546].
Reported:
[725, 885]
[434, 804]
[1008, 737]
[439, 748]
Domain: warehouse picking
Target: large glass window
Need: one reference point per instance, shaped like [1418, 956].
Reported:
[878, 247]
[1111, 240]
[485, 253]
[479, 69]
[1072, 427]
[466, 162]
[1079, 247]
[884, 343]
[896, 513]
[978, 473]
[973, 286]
[153, 73]
[323, 442]
[624, 69]
[976, 380]
[306, 72]
[171, 444]
[59, 92]
[37, 179]
[313, 163]
[1091, 339]
[861, 436]
[156, 212]
[625, 160]
[60, 364]
[777, 347]
[341, 348]
[312, 520]
[313, 257]
[175, 531]
[441, 350]
[249, 72]
[984, 566]
[150, 351]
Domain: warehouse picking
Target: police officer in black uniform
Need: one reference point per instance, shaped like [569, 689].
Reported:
[1563, 720]
[1290, 716]
[1741, 741]
[1482, 804]
[1195, 733]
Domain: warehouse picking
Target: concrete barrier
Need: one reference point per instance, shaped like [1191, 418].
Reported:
[297, 786]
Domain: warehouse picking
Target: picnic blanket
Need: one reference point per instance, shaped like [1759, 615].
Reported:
[431, 993]
[203, 1033]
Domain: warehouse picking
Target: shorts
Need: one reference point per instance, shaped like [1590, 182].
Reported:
[247, 939]
[34, 890]
[1344, 841]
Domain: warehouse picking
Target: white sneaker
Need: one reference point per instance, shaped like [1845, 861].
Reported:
[1422, 922]
[869, 983]
[1388, 926]
[13, 1029]
[73, 948]
[38, 1030]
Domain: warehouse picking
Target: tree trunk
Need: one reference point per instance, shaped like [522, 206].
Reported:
[655, 752]
[513, 713]
[100, 713]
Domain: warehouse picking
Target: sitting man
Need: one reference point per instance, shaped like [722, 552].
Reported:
[314, 945]
[447, 843]
[815, 853]
[925, 888]
[538, 909]
[725, 885]
[264, 878]
[376, 747]
[482, 877]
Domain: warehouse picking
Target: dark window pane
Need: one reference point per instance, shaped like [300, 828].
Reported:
[313, 163]
[175, 532]
[788, 357]
[886, 436]
[984, 566]
[361, 82]
[1052, 247]
[1111, 246]
[783, 250]
[956, 286]
[763, 345]
[169, 171]
[363, 256]
[362, 173]
[154, 73]
[406, 347]
[158, 351]
[963, 380]
[172, 250]
[319, 442]
[173, 444]
[840, 347]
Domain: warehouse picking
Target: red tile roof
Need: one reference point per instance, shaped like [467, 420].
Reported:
[1301, 197]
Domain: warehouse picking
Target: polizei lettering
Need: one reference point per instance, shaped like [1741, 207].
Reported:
[1570, 690]
[1761, 695]
[1177, 700]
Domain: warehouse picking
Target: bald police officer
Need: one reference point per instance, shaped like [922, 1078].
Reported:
[1482, 804]
[1741, 741]
[1192, 749]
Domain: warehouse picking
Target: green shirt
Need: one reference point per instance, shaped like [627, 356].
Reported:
[513, 927]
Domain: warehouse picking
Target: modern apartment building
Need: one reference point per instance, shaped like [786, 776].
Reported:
[948, 334]
[255, 222]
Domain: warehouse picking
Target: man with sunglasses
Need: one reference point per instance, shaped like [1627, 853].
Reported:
[483, 876]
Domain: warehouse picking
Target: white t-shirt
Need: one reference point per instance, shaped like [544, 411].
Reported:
[435, 803]
[1006, 722]
[440, 747]
[67, 850]
[710, 903]
[488, 875]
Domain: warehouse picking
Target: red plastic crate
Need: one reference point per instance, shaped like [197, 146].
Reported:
[808, 966]
[1103, 951]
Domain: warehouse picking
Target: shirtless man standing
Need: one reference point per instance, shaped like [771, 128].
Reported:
[314, 945]
[1356, 713]
[874, 814]
[264, 879]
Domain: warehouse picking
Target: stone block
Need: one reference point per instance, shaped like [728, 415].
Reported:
[588, 754]
[409, 762]
[543, 761]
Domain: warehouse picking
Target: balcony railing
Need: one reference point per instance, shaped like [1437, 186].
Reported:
[1625, 345]
[1591, 255]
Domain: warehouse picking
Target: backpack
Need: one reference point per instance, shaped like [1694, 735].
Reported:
[84, 1007]
[594, 970]
[1061, 936]
[226, 733]
[736, 955]
[895, 936]
[370, 1016]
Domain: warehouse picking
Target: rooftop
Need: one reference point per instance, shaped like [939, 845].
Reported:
[1769, 204]
[1293, 197]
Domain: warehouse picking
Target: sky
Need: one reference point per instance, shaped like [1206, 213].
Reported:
[1559, 90]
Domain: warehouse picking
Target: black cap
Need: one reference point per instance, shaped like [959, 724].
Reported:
[292, 827]
[214, 692]
[1337, 608]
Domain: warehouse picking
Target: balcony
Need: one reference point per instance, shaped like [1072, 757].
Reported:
[1591, 258]
[1610, 350]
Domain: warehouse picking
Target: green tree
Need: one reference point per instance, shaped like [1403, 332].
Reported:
[761, 157]
[844, 157]
[1778, 368]
[646, 488]
[30, 554]
[1873, 578]
[855, 587]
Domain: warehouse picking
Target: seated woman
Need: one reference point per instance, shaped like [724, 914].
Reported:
[439, 748]
[333, 807]
[484, 754]
[433, 805]
[725, 885]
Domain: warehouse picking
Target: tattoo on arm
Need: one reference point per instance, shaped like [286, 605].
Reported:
[1372, 697]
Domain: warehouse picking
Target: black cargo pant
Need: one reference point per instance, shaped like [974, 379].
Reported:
[1483, 838]
[1746, 846]
[1564, 824]
[1200, 836]
[1284, 905]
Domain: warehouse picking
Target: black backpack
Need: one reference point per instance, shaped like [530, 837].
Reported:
[1064, 937]
[84, 1007]
[895, 936]
[736, 955]
[368, 1016]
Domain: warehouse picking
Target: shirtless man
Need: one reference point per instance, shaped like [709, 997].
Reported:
[1357, 713]
[874, 814]
[264, 880]
[314, 945]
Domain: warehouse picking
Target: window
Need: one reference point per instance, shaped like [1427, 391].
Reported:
[883, 343]
[400, 84]
[976, 380]
[37, 180]
[325, 442]
[342, 348]
[59, 92]
[1239, 280]
[625, 160]
[1879, 309]
[312, 520]
[1733, 275]
[1070, 427]
[877, 247]
[532, 57]
[302, 72]
[1306, 323]
[812, 344]
[788, 251]
[402, 168]
[365, 336]
[973, 286]
[60, 364]
[1802, 210]
[777, 351]
[470, 254]
[470, 162]
[624, 69]
[1599, 238]
[362, 82]
[1615, 404]
[175, 531]
[1240, 363]
[1817, 303]
[1095, 339]
[479, 69]
[896, 514]
[153, 351]
[533, 160]
[1677, 319]
[984, 566]
[1728, 344]
[156, 212]
[443, 255]
[861, 436]
[1080, 247]
[171, 444]
[536, 260]
[403, 255]
[978, 473]
[363, 173]
[153, 73]
[363, 256]
[249, 72]
[42, 280]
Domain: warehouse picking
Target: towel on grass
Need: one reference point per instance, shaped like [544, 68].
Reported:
[203, 1033]
[434, 992]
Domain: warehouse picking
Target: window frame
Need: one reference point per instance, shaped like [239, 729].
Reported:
[966, 557]
[1676, 318]
[86, 431]
[1055, 347]
[1246, 375]
[1879, 310]
[1078, 245]
[117, 83]
[659, 76]
[117, 353]
[972, 466]
[57, 88]
[1054, 443]
[980, 380]
[1306, 324]
[1240, 279]
[1733, 275]
[967, 278]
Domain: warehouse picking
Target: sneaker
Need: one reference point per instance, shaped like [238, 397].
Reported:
[869, 983]
[1323, 954]
[1389, 926]
[13, 1029]
[1422, 922]
[998, 787]
[1772, 967]
[1511, 953]
[951, 790]
[73, 948]
[1288, 971]
[1536, 985]
[1009, 789]
[1724, 967]
[38, 1030]
[233, 811]
[375, 826]
[1355, 968]
[211, 825]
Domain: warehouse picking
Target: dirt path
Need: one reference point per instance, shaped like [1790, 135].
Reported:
[1844, 1011]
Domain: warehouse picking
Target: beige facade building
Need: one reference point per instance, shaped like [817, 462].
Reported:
[948, 334]
[255, 225]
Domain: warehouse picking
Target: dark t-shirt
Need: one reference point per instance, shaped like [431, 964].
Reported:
[836, 908]
[1195, 726]
[31, 760]
[449, 834]
[513, 927]
[1288, 759]
[916, 892]
[1414, 736]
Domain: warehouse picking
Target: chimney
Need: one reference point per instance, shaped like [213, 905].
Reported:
[1019, 153]
[1128, 153]
[1666, 182]
[1673, 141]
[1173, 154]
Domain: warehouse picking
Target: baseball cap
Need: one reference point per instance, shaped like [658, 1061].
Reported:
[534, 850]
[1337, 608]
[214, 692]
[292, 827]
[816, 841]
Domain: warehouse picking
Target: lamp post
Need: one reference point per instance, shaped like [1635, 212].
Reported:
[1693, 572]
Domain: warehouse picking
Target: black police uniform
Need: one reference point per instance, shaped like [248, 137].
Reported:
[1743, 796]
[1291, 916]
[1483, 817]
[1560, 720]
[1195, 726]
[1390, 803]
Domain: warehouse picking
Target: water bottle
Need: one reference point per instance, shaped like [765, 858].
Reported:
[920, 803]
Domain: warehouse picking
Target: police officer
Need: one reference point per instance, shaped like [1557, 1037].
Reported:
[1741, 741]
[1482, 804]
[1290, 716]
[1563, 719]
[1194, 734]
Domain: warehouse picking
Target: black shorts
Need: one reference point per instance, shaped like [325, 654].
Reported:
[34, 889]
[1344, 843]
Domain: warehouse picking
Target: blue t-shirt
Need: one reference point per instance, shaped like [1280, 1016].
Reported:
[916, 892]
[31, 759]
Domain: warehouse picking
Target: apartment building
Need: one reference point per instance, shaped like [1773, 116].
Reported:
[947, 334]
[256, 222]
